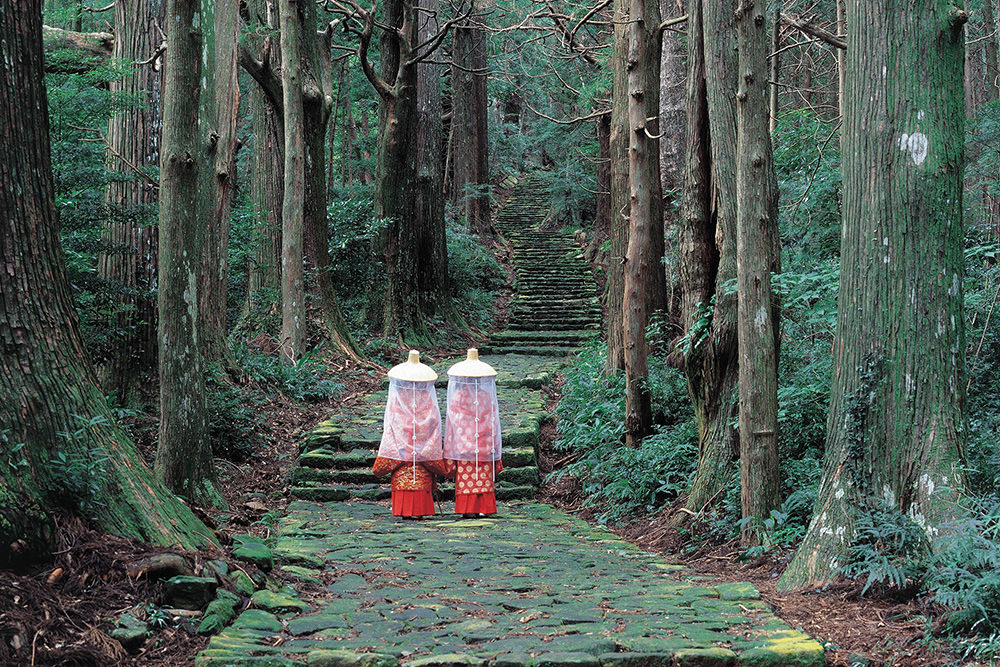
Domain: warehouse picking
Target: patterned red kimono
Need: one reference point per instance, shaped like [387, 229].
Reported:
[475, 491]
[412, 486]
[472, 443]
[411, 446]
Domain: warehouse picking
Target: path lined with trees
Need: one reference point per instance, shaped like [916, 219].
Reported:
[217, 212]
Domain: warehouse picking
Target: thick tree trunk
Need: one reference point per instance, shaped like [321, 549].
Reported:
[896, 430]
[293, 307]
[46, 384]
[133, 143]
[710, 359]
[643, 264]
[396, 175]
[614, 288]
[602, 211]
[183, 454]
[757, 249]
[432, 275]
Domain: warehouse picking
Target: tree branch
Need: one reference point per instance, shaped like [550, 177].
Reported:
[806, 26]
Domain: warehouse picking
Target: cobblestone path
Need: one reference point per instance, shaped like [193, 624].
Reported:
[532, 586]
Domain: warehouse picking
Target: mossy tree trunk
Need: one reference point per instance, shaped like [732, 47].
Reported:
[757, 257]
[61, 445]
[133, 143]
[896, 430]
[644, 282]
[708, 245]
[183, 453]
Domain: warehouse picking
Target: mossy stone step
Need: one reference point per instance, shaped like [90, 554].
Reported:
[521, 412]
[338, 493]
[569, 337]
[314, 464]
[538, 350]
[304, 477]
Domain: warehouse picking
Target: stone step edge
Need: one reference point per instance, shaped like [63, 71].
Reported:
[518, 457]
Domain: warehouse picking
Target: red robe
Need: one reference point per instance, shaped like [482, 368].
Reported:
[412, 486]
[475, 492]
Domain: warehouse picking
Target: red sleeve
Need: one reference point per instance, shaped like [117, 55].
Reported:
[384, 466]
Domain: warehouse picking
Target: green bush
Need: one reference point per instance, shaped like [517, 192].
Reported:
[475, 276]
[618, 481]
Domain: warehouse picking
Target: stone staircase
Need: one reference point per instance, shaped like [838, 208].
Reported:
[555, 309]
[337, 456]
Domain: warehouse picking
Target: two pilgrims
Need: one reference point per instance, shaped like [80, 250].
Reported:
[411, 448]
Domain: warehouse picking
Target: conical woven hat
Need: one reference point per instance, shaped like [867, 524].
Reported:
[472, 367]
[412, 370]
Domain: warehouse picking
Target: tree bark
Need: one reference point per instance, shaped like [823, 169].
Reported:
[293, 307]
[614, 288]
[183, 453]
[432, 275]
[470, 149]
[220, 104]
[644, 288]
[46, 383]
[757, 248]
[672, 124]
[396, 173]
[133, 143]
[708, 253]
[317, 100]
[896, 430]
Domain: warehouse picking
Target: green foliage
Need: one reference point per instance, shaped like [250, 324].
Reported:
[616, 480]
[888, 548]
[357, 269]
[78, 470]
[237, 428]
[964, 572]
[475, 275]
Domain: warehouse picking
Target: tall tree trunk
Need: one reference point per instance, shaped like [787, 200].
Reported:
[673, 120]
[293, 307]
[644, 288]
[614, 288]
[432, 275]
[316, 109]
[133, 143]
[757, 249]
[396, 174]
[46, 384]
[896, 430]
[266, 193]
[775, 65]
[469, 124]
[183, 454]
[220, 104]
[267, 182]
[710, 360]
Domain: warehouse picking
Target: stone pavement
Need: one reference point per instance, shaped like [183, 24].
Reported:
[532, 586]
